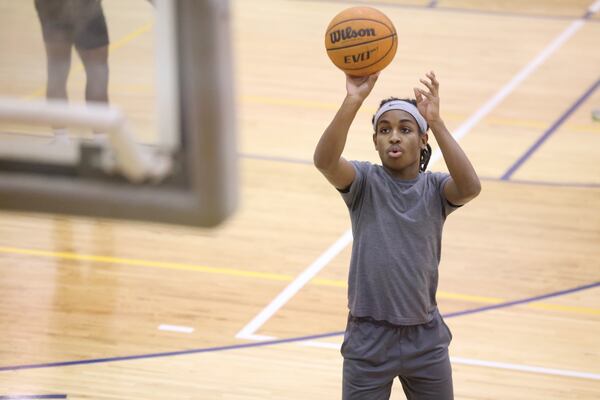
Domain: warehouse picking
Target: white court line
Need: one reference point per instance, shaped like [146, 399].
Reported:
[484, 363]
[524, 368]
[248, 331]
[175, 328]
[466, 126]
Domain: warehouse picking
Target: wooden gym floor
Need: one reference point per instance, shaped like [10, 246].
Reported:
[255, 308]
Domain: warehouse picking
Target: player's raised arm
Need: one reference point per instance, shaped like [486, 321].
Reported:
[328, 153]
[464, 184]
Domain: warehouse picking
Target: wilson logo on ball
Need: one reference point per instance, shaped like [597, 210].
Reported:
[349, 33]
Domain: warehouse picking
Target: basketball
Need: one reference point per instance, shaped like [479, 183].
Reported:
[361, 41]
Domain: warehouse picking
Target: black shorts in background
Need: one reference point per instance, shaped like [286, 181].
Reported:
[78, 22]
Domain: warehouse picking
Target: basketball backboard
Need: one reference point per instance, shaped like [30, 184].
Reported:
[170, 151]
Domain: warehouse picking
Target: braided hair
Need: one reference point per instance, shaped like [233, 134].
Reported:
[426, 152]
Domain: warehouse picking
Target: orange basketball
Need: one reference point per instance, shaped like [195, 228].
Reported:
[361, 41]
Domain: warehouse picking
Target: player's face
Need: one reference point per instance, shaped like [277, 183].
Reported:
[399, 142]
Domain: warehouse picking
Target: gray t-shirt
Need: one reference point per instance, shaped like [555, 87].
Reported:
[397, 228]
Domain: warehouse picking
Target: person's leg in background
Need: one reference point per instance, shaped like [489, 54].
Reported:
[57, 32]
[95, 62]
[91, 42]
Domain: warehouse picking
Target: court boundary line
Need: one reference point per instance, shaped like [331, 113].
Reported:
[368, 111]
[301, 161]
[508, 88]
[295, 286]
[486, 363]
[33, 396]
[525, 368]
[549, 132]
[582, 185]
[273, 342]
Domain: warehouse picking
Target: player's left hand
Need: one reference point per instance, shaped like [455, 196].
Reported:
[428, 101]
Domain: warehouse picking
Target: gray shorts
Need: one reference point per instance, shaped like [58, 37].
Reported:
[376, 352]
[77, 22]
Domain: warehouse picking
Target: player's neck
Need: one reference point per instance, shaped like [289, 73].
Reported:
[406, 174]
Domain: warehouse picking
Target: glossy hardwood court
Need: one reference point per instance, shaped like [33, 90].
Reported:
[255, 308]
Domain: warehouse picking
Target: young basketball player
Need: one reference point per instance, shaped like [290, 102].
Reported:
[397, 211]
[80, 24]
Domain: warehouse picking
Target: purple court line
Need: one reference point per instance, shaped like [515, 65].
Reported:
[459, 10]
[583, 185]
[283, 341]
[553, 128]
[522, 301]
[34, 396]
[590, 185]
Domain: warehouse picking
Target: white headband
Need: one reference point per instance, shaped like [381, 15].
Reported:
[404, 106]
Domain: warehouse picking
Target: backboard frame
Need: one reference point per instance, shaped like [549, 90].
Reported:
[203, 187]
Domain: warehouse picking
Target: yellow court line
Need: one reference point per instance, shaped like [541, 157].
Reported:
[511, 122]
[144, 89]
[479, 299]
[539, 306]
[558, 307]
[148, 263]
[131, 36]
[78, 68]
[269, 276]
[475, 299]
[440, 294]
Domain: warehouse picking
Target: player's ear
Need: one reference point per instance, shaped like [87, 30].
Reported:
[375, 140]
[424, 139]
